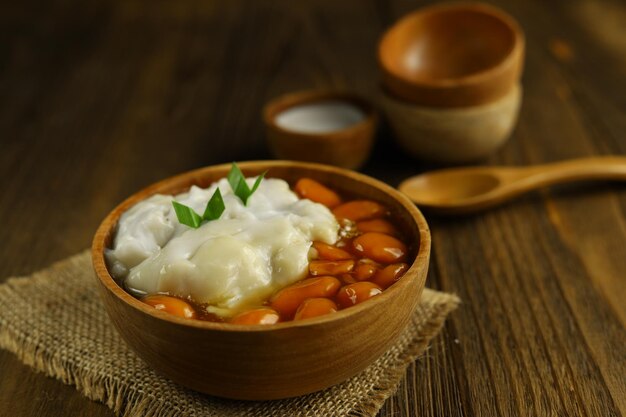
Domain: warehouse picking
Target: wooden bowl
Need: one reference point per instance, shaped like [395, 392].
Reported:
[452, 55]
[453, 135]
[276, 361]
[346, 148]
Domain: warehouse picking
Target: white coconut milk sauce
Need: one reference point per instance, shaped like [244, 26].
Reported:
[322, 116]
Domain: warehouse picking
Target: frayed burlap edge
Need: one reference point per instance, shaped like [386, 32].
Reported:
[126, 402]
[122, 400]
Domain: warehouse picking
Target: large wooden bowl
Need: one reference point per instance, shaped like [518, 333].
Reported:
[276, 361]
[452, 55]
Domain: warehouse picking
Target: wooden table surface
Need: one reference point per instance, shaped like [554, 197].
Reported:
[100, 98]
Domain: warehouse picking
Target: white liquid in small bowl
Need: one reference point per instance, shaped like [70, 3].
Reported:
[320, 117]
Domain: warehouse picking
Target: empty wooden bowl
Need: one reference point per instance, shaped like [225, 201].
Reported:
[329, 138]
[452, 55]
[453, 135]
[273, 361]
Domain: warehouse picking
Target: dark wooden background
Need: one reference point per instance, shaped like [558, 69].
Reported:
[100, 98]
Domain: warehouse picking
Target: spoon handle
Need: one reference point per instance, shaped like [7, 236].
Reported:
[594, 168]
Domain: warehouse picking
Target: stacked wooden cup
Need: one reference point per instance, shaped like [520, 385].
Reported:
[451, 80]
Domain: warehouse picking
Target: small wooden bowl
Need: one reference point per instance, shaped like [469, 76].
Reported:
[454, 135]
[452, 55]
[346, 148]
[277, 361]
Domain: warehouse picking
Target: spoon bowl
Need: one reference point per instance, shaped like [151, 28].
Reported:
[466, 190]
[440, 189]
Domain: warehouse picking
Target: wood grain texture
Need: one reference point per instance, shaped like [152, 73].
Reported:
[135, 91]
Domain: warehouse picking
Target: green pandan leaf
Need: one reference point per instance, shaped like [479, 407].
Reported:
[186, 215]
[240, 188]
[215, 207]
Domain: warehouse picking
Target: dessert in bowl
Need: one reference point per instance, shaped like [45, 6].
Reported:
[295, 355]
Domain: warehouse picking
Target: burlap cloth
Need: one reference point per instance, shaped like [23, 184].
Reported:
[53, 321]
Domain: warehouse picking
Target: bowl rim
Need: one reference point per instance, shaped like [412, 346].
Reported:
[387, 97]
[286, 101]
[512, 56]
[110, 221]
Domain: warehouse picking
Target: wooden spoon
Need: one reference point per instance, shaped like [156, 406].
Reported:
[465, 190]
